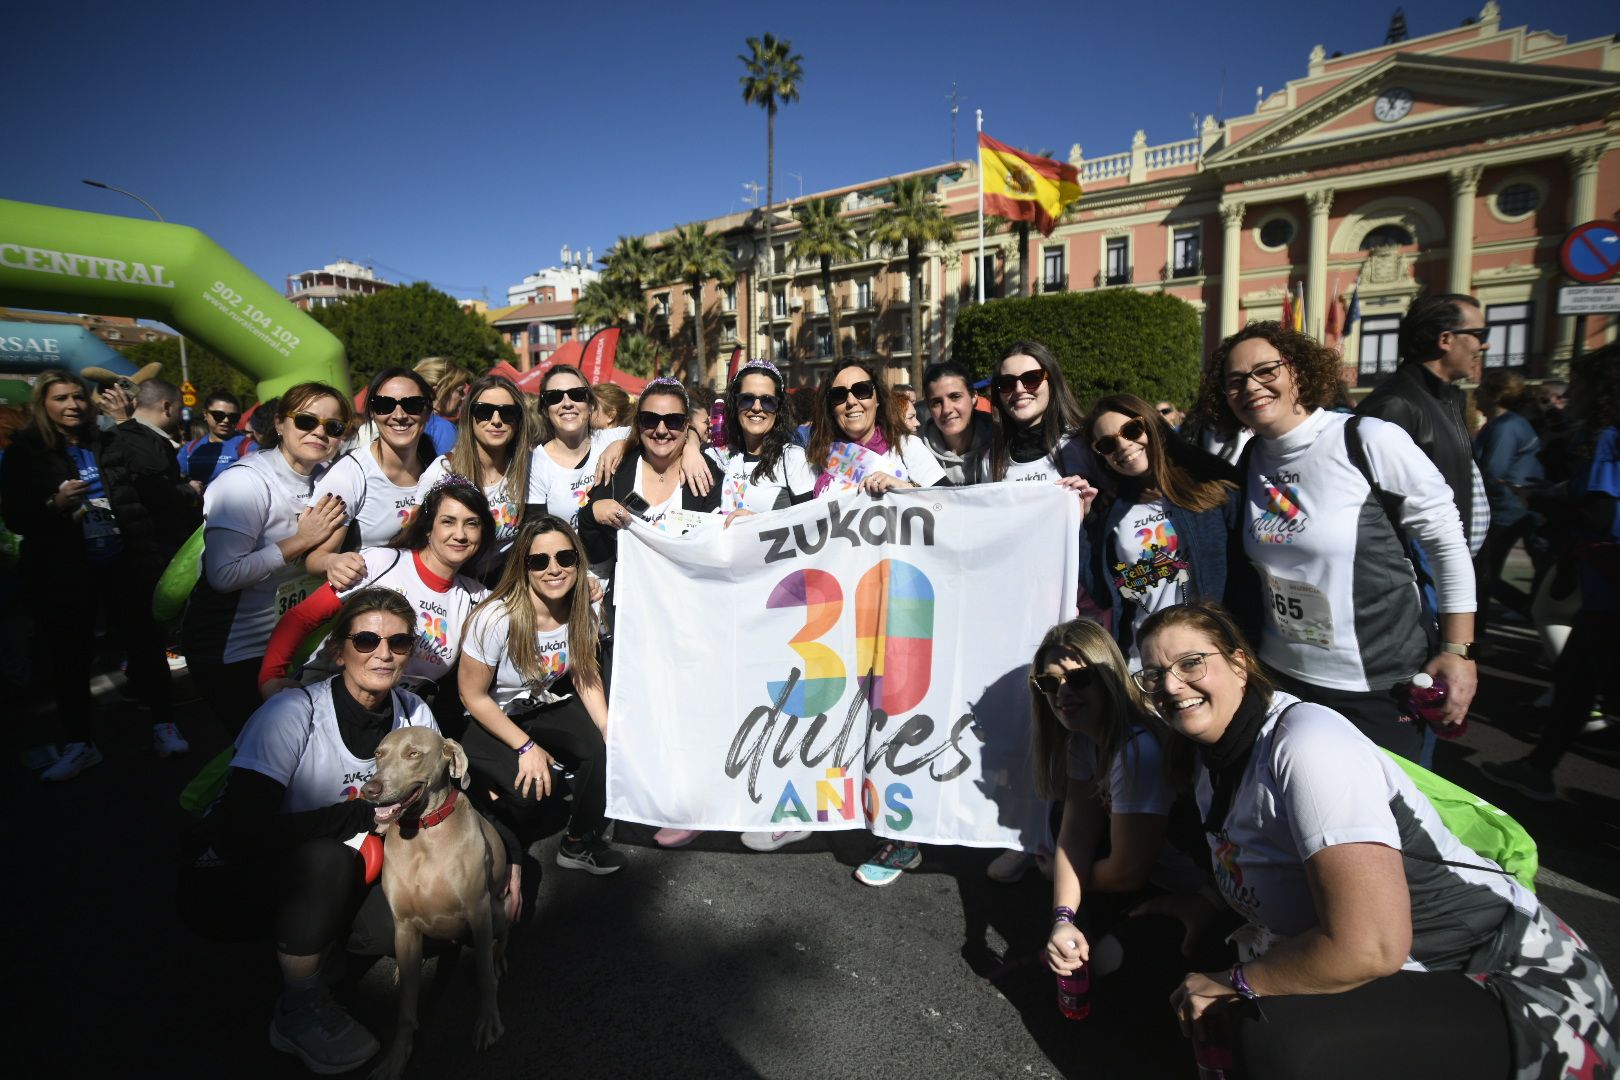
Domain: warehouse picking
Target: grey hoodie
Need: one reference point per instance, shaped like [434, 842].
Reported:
[960, 469]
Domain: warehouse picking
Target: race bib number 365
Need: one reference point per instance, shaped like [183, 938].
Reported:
[1300, 611]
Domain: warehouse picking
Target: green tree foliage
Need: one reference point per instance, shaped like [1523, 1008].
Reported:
[635, 356]
[912, 220]
[608, 303]
[1107, 341]
[773, 72]
[208, 371]
[694, 255]
[824, 235]
[404, 324]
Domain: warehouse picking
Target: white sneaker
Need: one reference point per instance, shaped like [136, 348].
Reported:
[770, 841]
[177, 662]
[1010, 866]
[167, 740]
[76, 757]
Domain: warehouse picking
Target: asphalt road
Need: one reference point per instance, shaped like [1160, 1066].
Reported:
[711, 961]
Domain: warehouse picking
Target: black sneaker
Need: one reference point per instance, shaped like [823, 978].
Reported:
[591, 856]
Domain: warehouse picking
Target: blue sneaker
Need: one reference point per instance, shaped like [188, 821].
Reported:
[887, 863]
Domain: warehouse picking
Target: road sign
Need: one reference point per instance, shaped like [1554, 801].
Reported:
[1588, 299]
[1591, 252]
[188, 394]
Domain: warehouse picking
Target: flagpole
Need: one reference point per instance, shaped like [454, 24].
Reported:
[978, 271]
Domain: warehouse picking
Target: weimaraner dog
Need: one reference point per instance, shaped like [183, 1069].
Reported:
[444, 869]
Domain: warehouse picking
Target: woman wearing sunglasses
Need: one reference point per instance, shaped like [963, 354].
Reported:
[858, 439]
[492, 449]
[1096, 747]
[764, 468]
[563, 470]
[1377, 942]
[378, 481]
[1167, 536]
[531, 680]
[1344, 624]
[1037, 422]
[261, 520]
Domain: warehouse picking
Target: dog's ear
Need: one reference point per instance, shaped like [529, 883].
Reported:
[458, 761]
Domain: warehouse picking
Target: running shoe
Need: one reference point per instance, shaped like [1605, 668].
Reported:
[323, 1036]
[591, 856]
[887, 863]
[167, 740]
[1524, 778]
[673, 838]
[177, 662]
[39, 758]
[76, 757]
[1010, 866]
[770, 841]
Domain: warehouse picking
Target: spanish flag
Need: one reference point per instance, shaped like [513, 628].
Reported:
[1023, 187]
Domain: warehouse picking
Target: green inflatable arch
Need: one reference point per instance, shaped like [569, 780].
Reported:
[72, 260]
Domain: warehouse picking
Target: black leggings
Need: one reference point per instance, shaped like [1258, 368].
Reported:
[564, 730]
[1413, 1025]
[1585, 667]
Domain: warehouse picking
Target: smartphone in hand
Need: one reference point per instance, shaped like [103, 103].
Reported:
[636, 505]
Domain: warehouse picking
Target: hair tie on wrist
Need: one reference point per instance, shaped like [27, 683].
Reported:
[525, 748]
[1063, 914]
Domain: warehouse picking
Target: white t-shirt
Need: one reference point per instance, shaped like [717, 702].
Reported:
[1149, 570]
[850, 463]
[1071, 459]
[487, 634]
[294, 740]
[1136, 784]
[507, 511]
[564, 491]
[1313, 781]
[773, 491]
[257, 500]
[380, 505]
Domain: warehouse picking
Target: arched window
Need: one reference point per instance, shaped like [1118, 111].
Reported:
[1387, 236]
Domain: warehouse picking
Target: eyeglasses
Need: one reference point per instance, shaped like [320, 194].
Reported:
[1188, 669]
[861, 391]
[415, 405]
[509, 414]
[366, 642]
[765, 402]
[1030, 380]
[1264, 374]
[649, 421]
[1480, 334]
[308, 421]
[223, 417]
[580, 394]
[1131, 429]
[1076, 679]
[540, 560]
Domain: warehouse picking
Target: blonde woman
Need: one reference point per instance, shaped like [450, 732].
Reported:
[492, 449]
[530, 680]
[450, 384]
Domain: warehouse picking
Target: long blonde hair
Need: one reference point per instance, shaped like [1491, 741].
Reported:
[464, 456]
[41, 422]
[513, 592]
[1124, 708]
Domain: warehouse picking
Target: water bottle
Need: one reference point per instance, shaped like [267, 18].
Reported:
[1074, 993]
[1214, 1060]
[717, 424]
[1426, 703]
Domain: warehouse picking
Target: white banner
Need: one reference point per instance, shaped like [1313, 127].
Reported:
[847, 663]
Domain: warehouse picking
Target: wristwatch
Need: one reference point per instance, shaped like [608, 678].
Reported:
[1467, 650]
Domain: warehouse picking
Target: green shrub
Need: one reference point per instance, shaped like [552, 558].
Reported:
[1107, 341]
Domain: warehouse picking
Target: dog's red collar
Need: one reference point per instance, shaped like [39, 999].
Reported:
[427, 821]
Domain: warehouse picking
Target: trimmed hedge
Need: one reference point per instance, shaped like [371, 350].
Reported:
[1107, 341]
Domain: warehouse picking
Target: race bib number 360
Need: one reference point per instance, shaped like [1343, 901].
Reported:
[1300, 611]
[292, 593]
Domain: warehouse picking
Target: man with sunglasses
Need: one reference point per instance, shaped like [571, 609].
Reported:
[203, 459]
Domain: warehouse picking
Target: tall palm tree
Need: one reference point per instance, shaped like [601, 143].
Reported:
[825, 235]
[912, 220]
[635, 355]
[606, 303]
[630, 263]
[694, 255]
[773, 74]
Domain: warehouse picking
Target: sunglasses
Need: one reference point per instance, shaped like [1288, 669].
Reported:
[541, 560]
[765, 402]
[308, 421]
[862, 391]
[649, 421]
[509, 414]
[1131, 429]
[1480, 334]
[415, 405]
[1166, 410]
[1077, 679]
[366, 642]
[1031, 380]
[580, 394]
[223, 417]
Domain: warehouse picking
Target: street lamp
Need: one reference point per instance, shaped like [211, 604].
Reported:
[185, 374]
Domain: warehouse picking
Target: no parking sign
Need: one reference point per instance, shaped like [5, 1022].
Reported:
[1591, 252]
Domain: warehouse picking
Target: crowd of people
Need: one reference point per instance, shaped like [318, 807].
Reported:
[1263, 578]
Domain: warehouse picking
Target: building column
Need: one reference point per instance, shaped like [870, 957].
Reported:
[1231, 238]
[1464, 188]
[1583, 172]
[1320, 202]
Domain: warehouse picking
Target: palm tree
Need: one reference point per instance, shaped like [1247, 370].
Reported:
[825, 235]
[694, 255]
[773, 74]
[635, 355]
[606, 303]
[631, 264]
[912, 220]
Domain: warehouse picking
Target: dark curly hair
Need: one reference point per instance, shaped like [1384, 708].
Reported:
[1315, 369]
[1594, 394]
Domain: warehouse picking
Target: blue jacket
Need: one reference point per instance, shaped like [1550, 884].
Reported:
[1506, 449]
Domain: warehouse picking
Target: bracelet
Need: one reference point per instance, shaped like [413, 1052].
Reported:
[525, 748]
[1063, 914]
[1241, 985]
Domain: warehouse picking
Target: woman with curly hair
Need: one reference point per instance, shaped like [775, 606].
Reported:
[1327, 502]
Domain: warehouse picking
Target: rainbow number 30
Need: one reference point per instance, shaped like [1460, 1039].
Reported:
[894, 637]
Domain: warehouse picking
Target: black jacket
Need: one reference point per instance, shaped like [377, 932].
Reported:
[149, 463]
[53, 540]
[1432, 412]
[602, 541]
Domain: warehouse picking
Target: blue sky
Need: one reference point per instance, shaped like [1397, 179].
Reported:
[465, 143]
